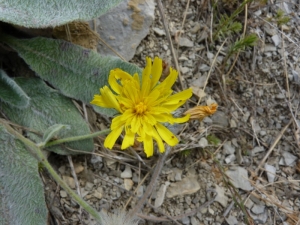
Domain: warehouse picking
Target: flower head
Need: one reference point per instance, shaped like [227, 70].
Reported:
[143, 106]
[202, 111]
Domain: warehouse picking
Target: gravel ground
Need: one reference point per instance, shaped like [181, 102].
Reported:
[239, 166]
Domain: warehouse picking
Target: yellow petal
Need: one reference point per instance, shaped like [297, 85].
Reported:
[148, 145]
[162, 117]
[131, 93]
[146, 77]
[179, 97]
[121, 75]
[166, 135]
[160, 144]
[135, 124]
[114, 83]
[110, 140]
[152, 97]
[182, 119]
[156, 71]
[149, 118]
[166, 85]
[136, 77]
[117, 122]
[107, 99]
[128, 139]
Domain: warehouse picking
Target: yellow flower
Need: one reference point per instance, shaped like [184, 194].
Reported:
[200, 112]
[143, 105]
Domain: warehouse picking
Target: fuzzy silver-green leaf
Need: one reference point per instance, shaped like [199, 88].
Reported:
[75, 71]
[52, 131]
[52, 13]
[22, 198]
[48, 107]
[11, 93]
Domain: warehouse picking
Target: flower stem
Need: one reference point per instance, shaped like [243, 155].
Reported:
[76, 138]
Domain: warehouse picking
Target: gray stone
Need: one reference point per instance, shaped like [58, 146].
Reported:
[233, 123]
[186, 220]
[97, 161]
[230, 158]
[295, 76]
[260, 218]
[111, 163]
[62, 169]
[89, 186]
[270, 48]
[184, 70]
[203, 142]
[127, 173]
[228, 149]
[280, 96]
[276, 39]
[178, 174]
[70, 181]
[211, 211]
[196, 28]
[160, 195]
[188, 185]
[98, 194]
[63, 194]
[204, 68]
[185, 42]
[210, 55]
[239, 178]
[194, 221]
[256, 150]
[249, 203]
[125, 26]
[159, 31]
[221, 197]
[289, 158]
[220, 118]
[140, 191]
[231, 220]
[258, 209]
[271, 172]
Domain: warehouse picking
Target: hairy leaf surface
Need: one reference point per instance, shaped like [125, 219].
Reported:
[11, 93]
[52, 13]
[77, 72]
[48, 107]
[21, 190]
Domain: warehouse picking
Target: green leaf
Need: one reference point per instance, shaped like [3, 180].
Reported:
[11, 93]
[77, 72]
[48, 107]
[21, 190]
[212, 139]
[52, 131]
[52, 13]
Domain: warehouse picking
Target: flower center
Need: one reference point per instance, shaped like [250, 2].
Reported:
[140, 108]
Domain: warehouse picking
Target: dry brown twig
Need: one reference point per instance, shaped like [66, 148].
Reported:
[211, 68]
[140, 204]
[76, 182]
[277, 139]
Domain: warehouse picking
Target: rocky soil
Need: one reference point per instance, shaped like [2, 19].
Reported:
[239, 166]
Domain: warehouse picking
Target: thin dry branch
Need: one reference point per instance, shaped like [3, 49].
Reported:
[174, 56]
